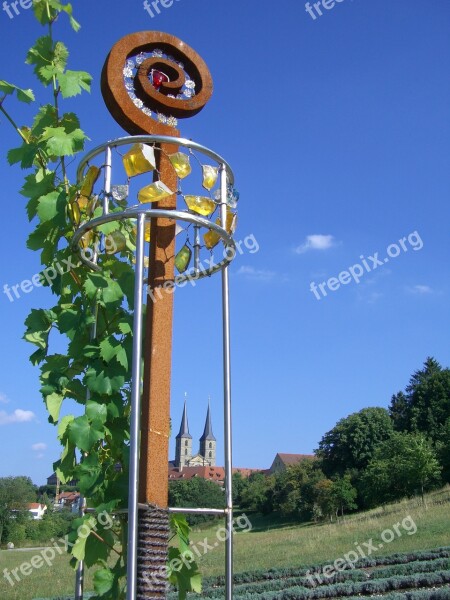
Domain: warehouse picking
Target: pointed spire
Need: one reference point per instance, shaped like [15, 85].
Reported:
[208, 432]
[184, 427]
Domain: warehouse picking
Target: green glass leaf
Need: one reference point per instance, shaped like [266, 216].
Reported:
[183, 258]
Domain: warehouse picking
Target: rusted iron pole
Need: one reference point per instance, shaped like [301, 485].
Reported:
[153, 529]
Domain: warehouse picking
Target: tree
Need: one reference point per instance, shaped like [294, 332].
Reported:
[402, 466]
[240, 484]
[257, 495]
[425, 405]
[196, 492]
[352, 441]
[15, 493]
[344, 494]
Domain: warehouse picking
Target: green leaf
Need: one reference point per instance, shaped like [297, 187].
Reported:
[22, 95]
[64, 467]
[61, 143]
[84, 434]
[69, 320]
[111, 348]
[25, 154]
[73, 82]
[63, 424]
[41, 56]
[46, 117]
[103, 581]
[102, 382]
[96, 412]
[35, 186]
[50, 205]
[54, 402]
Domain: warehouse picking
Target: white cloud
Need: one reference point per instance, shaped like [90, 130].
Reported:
[256, 274]
[316, 241]
[18, 416]
[39, 446]
[421, 289]
[3, 399]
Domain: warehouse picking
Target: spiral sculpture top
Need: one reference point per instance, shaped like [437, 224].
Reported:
[150, 79]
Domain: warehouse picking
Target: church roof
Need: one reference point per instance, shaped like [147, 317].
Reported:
[293, 459]
[208, 432]
[184, 427]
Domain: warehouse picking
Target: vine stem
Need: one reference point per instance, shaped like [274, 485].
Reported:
[11, 120]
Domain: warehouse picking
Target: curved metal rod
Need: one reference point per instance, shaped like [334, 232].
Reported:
[133, 213]
[153, 139]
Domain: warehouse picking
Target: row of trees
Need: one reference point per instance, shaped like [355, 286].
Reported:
[16, 523]
[369, 458]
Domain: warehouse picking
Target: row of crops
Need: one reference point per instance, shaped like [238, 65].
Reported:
[408, 576]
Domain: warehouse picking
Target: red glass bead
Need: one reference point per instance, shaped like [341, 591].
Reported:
[158, 78]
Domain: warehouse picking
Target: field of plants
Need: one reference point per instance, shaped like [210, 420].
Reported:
[407, 576]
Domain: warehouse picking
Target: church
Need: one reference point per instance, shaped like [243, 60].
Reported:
[206, 456]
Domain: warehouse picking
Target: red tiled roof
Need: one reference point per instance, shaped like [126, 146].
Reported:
[34, 506]
[293, 459]
[211, 473]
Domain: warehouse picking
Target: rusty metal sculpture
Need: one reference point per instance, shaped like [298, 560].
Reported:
[157, 86]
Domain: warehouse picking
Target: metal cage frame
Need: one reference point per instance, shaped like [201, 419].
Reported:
[141, 214]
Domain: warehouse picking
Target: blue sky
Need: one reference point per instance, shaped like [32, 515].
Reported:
[338, 131]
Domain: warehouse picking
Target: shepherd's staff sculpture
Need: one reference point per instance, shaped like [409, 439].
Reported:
[151, 74]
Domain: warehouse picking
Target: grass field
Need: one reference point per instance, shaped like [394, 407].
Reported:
[273, 543]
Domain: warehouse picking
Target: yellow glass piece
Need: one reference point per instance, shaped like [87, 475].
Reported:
[139, 159]
[74, 212]
[200, 204]
[154, 192]
[181, 164]
[147, 231]
[210, 175]
[89, 180]
[211, 238]
[87, 239]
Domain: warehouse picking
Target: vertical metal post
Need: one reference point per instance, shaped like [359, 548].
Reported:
[79, 576]
[135, 413]
[227, 401]
[108, 169]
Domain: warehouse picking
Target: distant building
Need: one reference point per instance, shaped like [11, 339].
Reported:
[69, 500]
[206, 457]
[282, 461]
[37, 510]
[216, 474]
[53, 480]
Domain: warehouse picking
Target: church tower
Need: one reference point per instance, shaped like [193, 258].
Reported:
[183, 446]
[208, 442]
